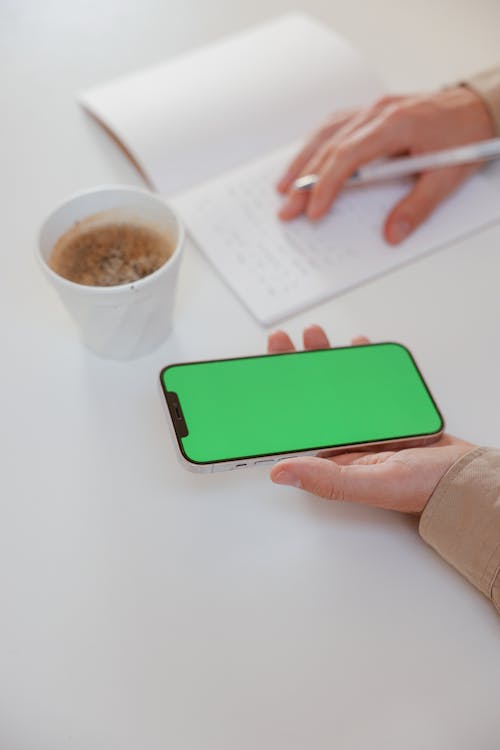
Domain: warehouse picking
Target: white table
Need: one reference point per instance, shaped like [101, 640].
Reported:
[144, 607]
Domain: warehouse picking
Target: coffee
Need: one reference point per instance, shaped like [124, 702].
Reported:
[109, 254]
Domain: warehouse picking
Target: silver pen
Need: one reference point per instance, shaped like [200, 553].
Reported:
[391, 168]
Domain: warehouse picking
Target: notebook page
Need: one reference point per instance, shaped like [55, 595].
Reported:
[194, 117]
[278, 269]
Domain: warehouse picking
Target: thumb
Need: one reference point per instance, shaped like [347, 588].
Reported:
[328, 479]
[430, 189]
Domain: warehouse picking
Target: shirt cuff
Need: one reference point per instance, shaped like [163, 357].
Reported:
[487, 85]
[461, 521]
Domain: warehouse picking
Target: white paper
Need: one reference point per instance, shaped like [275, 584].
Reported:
[278, 269]
[192, 118]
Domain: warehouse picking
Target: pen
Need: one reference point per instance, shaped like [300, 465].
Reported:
[385, 170]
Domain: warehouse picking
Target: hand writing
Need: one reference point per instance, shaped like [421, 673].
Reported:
[393, 126]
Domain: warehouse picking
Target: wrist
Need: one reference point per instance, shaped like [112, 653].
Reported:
[486, 85]
[479, 111]
[471, 111]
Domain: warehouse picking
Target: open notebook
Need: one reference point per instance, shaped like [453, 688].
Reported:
[207, 130]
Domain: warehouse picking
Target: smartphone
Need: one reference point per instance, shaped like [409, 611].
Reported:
[231, 413]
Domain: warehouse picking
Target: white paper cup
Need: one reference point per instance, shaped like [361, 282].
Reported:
[127, 320]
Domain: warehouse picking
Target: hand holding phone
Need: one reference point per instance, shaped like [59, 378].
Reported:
[396, 480]
[229, 414]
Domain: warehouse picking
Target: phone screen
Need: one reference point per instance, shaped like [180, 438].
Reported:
[281, 403]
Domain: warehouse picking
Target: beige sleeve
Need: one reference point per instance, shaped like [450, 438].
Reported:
[461, 521]
[487, 86]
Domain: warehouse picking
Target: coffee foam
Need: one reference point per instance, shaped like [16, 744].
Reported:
[108, 249]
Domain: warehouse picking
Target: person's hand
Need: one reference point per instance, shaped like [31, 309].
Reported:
[393, 126]
[400, 480]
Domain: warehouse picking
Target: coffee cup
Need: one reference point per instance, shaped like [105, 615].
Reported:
[126, 320]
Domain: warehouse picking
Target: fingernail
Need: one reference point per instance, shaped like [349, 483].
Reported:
[399, 229]
[286, 477]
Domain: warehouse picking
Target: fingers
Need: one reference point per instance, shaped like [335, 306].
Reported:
[297, 200]
[359, 341]
[315, 338]
[310, 148]
[380, 130]
[429, 191]
[316, 475]
[294, 205]
[354, 483]
[339, 121]
[279, 342]
[383, 136]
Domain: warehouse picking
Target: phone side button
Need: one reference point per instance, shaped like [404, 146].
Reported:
[265, 461]
[240, 466]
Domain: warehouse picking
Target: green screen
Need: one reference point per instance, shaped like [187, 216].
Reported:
[283, 403]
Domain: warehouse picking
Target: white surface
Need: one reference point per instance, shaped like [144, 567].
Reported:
[144, 607]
